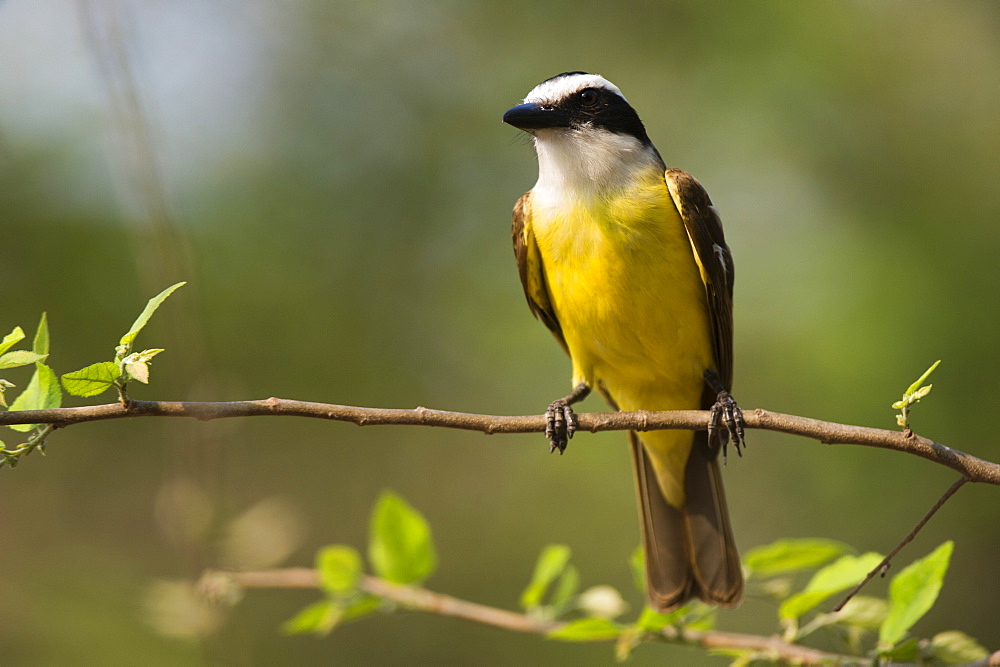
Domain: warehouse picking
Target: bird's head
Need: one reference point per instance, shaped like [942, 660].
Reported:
[576, 102]
[585, 132]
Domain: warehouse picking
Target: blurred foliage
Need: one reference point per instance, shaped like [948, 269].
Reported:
[401, 551]
[338, 188]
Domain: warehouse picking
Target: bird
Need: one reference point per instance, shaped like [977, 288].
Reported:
[625, 261]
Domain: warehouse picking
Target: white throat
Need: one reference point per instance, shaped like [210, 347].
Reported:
[590, 162]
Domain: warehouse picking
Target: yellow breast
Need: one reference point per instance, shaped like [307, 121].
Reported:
[628, 294]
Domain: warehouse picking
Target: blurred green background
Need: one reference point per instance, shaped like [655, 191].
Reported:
[334, 182]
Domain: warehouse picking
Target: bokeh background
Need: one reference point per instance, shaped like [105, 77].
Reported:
[334, 182]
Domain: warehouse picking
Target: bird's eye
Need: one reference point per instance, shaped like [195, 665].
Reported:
[588, 97]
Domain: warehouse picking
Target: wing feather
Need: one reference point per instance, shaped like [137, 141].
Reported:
[704, 228]
[531, 269]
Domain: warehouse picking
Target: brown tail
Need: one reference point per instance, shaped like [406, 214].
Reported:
[690, 550]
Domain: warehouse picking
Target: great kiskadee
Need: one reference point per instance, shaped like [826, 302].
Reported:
[625, 262]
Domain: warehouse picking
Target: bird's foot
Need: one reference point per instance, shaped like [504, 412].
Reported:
[560, 420]
[726, 423]
[560, 424]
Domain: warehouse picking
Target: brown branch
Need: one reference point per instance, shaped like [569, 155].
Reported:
[438, 603]
[971, 468]
[884, 565]
[409, 596]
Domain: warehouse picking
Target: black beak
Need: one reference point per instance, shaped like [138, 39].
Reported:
[536, 117]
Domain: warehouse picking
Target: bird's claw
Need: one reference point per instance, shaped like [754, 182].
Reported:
[726, 423]
[560, 424]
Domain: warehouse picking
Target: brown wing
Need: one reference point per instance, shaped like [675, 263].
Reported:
[711, 570]
[529, 265]
[704, 228]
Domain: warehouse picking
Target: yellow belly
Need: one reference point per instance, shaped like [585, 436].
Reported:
[628, 295]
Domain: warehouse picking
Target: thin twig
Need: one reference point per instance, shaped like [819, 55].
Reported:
[971, 468]
[438, 603]
[884, 565]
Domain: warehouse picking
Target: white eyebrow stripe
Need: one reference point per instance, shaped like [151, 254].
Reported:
[550, 92]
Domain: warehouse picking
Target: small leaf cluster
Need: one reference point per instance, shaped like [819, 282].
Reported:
[798, 574]
[554, 593]
[869, 626]
[591, 615]
[912, 396]
[127, 365]
[400, 550]
[43, 391]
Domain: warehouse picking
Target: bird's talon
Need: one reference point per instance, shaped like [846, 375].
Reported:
[560, 425]
[726, 423]
[571, 421]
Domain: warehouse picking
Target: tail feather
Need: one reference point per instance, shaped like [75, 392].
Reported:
[668, 568]
[690, 550]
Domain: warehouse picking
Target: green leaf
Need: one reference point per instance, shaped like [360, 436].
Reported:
[551, 563]
[637, 564]
[146, 355]
[136, 365]
[4, 386]
[566, 587]
[957, 648]
[913, 388]
[20, 358]
[41, 344]
[360, 608]
[400, 546]
[912, 593]
[137, 370]
[654, 621]
[586, 630]
[799, 604]
[318, 618]
[792, 555]
[91, 380]
[843, 573]
[11, 339]
[700, 616]
[864, 612]
[905, 652]
[860, 614]
[41, 393]
[339, 570]
[147, 313]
